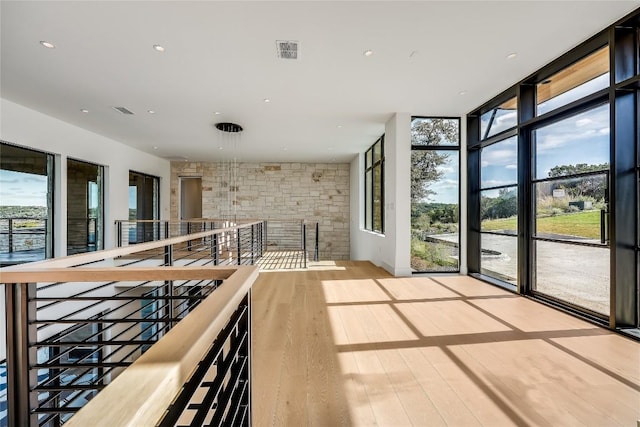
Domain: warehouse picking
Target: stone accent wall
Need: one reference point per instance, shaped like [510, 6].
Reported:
[280, 191]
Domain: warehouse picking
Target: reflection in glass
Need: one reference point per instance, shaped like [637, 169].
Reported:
[499, 165]
[499, 258]
[435, 131]
[377, 151]
[144, 196]
[572, 209]
[577, 144]
[434, 210]
[574, 82]
[574, 273]
[84, 207]
[499, 119]
[374, 187]
[368, 218]
[499, 210]
[377, 198]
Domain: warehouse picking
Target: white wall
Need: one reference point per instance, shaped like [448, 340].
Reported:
[391, 250]
[28, 128]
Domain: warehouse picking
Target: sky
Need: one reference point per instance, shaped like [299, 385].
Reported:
[22, 189]
[583, 138]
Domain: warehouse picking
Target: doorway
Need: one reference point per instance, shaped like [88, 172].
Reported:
[190, 198]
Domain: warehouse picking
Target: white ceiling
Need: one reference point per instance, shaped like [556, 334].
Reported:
[221, 56]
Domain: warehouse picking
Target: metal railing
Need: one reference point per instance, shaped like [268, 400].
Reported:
[83, 235]
[72, 330]
[139, 231]
[21, 234]
[296, 240]
[293, 236]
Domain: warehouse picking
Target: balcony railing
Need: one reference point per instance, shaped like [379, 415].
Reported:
[23, 240]
[285, 243]
[133, 231]
[131, 335]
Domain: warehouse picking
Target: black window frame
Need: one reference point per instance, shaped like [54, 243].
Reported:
[371, 166]
[445, 147]
[623, 96]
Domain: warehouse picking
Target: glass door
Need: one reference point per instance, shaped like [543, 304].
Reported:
[144, 204]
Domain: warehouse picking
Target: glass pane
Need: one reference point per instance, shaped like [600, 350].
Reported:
[368, 159]
[499, 163]
[25, 205]
[143, 205]
[499, 210]
[84, 207]
[574, 82]
[499, 258]
[434, 131]
[434, 210]
[4, 416]
[4, 421]
[377, 151]
[572, 209]
[575, 274]
[577, 144]
[501, 118]
[377, 198]
[368, 202]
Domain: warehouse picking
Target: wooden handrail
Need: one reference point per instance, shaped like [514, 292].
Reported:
[117, 274]
[88, 257]
[140, 395]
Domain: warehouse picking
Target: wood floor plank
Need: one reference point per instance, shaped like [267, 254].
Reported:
[346, 344]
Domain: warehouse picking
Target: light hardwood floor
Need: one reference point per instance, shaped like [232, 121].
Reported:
[351, 345]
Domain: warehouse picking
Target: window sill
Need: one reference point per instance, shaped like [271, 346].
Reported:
[375, 233]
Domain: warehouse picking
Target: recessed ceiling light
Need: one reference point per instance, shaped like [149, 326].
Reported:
[512, 55]
[158, 48]
[284, 148]
[220, 148]
[155, 148]
[217, 113]
[339, 126]
[462, 92]
[367, 52]
[267, 100]
[47, 44]
[151, 111]
[84, 110]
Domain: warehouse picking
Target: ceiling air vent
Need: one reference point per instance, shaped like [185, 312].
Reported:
[123, 110]
[288, 49]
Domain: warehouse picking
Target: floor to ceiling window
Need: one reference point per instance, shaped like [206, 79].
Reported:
[551, 180]
[85, 207]
[435, 194]
[26, 205]
[570, 189]
[144, 204]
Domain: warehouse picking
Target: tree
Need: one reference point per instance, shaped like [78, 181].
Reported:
[425, 164]
[590, 186]
[564, 170]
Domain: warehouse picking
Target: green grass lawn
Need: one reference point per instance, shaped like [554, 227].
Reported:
[583, 224]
